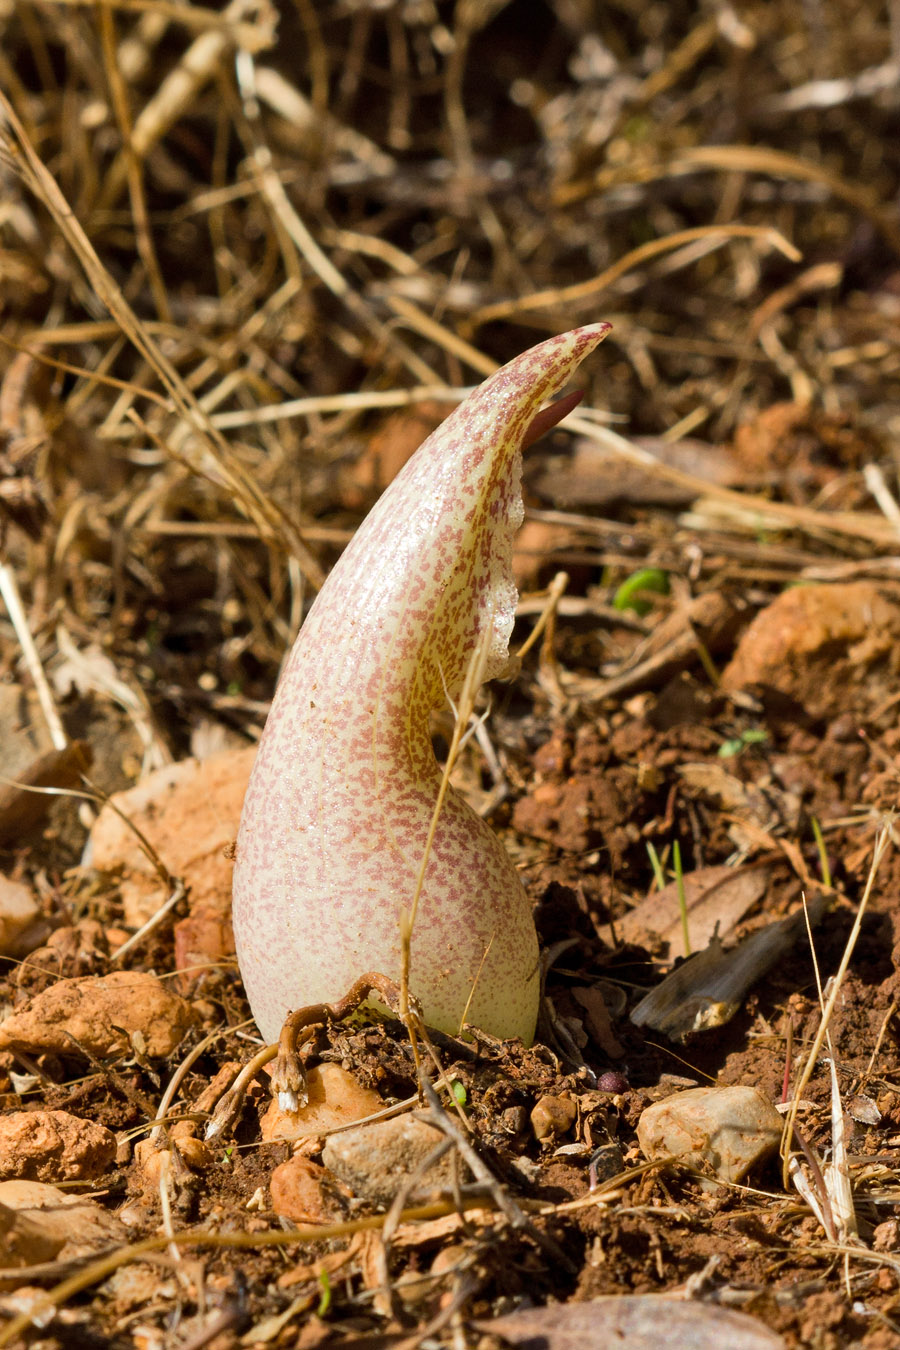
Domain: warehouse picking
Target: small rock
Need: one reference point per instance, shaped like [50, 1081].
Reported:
[335, 1098]
[47, 1223]
[375, 1160]
[306, 1192]
[886, 1236]
[194, 1151]
[21, 926]
[729, 1128]
[189, 812]
[202, 941]
[413, 1286]
[53, 1146]
[22, 1242]
[553, 1116]
[102, 1014]
[824, 646]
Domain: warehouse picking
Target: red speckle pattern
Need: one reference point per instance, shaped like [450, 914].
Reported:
[343, 790]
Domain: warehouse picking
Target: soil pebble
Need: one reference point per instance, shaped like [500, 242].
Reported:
[306, 1192]
[39, 1222]
[726, 1128]
[335, 1098]
[376, 1160]
[203, 941]
[113, 1015]
[553, 1116]
[53, 1146]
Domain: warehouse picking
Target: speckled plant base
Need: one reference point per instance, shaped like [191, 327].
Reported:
[343, 791]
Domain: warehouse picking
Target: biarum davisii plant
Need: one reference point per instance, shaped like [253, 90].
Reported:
[341, 803]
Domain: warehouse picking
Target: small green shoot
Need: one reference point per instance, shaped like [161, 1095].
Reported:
[682, 897]
[647, 579]
[659, 875]
[823, 853]
[752, 736]
[325, 1294]
[459, 1091]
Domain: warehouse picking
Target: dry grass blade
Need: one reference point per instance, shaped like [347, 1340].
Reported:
[212, 456]
[885, 837]
[587, 290]
[742, 159]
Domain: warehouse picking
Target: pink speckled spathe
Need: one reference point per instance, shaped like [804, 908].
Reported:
[343, 790]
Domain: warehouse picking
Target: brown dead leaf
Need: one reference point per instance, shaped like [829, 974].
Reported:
[598, 1021]
[715, 896]
[642, 1322]
[596, 476]
[46, 1222]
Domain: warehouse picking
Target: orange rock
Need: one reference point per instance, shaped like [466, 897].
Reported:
[306, 1192]
[202, 941]
[335, 1098]
[830, 648]
[190, 813]
[53, 1146]
[553, 1116]
[107, 1016]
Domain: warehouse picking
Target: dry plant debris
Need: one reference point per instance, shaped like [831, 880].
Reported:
[249, 257]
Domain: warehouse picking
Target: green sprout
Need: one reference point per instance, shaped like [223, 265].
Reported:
[752, 736]
[647, 579]
[659, 875]
[325, 1295]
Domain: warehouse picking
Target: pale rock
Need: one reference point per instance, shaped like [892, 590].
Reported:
[728, 1128]
[19, 918]
[335, 1098]
[22, 1242]
[39, 1222]
[189, 812]
[376, 1160]
[102, 1014]
[53, 1146]
[306, 1192]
